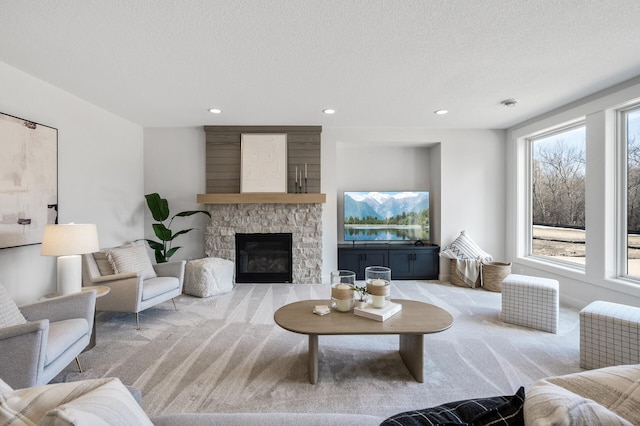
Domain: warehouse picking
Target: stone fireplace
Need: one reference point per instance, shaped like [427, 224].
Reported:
[302, 221]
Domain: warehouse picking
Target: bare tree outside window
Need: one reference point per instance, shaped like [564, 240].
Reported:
[632, 130]
[558, 195]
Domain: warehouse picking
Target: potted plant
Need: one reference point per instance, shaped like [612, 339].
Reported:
[362, 295]
[159, 208]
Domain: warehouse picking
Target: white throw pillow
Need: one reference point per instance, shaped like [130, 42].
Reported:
[96, 402]
[131, 259]
[9, 312]
[464, 247]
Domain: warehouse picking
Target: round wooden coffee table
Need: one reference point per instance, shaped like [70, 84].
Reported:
[414, 321]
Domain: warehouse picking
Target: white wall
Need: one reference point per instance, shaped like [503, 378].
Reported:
[598, 280]
[174, 167]
[464, 169]
[100, 177]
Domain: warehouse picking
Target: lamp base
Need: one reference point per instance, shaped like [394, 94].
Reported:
[69, 274]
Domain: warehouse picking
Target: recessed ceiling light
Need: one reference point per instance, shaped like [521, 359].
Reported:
[509, 102]
[215, 111]
[441, 112]
[329, 111]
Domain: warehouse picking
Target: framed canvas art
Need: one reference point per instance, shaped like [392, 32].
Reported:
[28, 180]
[264, 163]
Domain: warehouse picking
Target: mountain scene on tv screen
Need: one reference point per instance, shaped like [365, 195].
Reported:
[386, 216]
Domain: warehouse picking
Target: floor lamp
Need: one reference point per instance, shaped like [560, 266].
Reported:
[68, 242]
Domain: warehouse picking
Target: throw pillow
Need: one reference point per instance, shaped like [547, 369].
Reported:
[464, 247]
[97, 402]
[9, 312]
[499, 410]
[104, 267]
[131, 259]
[4, 387]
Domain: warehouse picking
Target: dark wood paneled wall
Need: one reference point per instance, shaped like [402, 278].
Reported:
[223, 155]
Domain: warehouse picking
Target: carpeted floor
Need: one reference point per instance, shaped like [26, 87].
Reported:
[226, 354]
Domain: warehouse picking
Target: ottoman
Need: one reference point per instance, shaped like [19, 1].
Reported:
[208, 277]
[530, 302]
[609, 335]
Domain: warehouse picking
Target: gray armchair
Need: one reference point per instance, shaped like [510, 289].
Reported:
[57, 331]
[132, 291]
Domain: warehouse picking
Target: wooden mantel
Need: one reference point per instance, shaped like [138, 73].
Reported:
[262, 198]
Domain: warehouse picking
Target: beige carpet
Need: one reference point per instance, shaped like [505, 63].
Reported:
[226, 354]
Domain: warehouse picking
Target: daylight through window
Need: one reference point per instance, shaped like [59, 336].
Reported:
[558, 195]
[631, 131]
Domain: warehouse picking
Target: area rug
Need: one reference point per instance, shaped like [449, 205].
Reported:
[226, 354]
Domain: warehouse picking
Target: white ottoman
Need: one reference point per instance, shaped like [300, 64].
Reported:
[208, 277]
[609, 335]
[530, 302]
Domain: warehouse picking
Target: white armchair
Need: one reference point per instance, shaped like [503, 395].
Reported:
[42, 338]
[135, 284]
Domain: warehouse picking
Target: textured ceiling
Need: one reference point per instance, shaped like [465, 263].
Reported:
[378, 63]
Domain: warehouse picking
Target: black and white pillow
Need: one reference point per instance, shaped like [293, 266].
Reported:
[499, 411]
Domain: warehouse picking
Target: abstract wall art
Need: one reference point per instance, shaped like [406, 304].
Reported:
[28, 180]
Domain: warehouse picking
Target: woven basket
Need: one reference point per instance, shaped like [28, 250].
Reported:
[493, 273]
[455, 279]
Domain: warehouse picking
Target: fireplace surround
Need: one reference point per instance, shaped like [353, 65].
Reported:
[302, 220]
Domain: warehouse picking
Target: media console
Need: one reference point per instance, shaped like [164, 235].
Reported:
[407, 261]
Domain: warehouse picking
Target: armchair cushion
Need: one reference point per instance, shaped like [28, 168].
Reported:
[159, 285]
[9, 312]
[131, 259]
[63, 334]
[97, 402]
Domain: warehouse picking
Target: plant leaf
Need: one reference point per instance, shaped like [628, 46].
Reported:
[192, 212]
[171, 252]
[154, 245]
[158, 206]
[162, 232]
[184, 231]
[160, 258]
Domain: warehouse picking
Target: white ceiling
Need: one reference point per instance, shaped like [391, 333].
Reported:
[377, 62]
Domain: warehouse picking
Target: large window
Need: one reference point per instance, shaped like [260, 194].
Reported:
[631, 141]
[558, 195]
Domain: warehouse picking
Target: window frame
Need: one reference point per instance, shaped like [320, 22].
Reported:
[621, 192]
[528, 210]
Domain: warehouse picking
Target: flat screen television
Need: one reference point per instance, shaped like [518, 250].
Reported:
[386, 216]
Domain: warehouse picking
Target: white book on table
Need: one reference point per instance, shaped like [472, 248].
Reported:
[378, 314]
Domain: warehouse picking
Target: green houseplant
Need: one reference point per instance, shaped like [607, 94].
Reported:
[159, 208]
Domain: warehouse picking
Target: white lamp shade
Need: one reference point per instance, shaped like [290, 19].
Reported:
[68, 239]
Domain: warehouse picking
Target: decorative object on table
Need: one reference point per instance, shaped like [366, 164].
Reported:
[159, 208]
[29, 189]
[342, 284]
[68, 242]
[378, 314]
[493, 273]
[321, 310]
[378, 279]
[362, 296]
[466, 261]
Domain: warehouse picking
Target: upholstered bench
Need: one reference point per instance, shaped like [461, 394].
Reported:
[208, 277]
[609, 335]
[530, 302]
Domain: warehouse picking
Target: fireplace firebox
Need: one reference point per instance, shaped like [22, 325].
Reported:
[263, 258]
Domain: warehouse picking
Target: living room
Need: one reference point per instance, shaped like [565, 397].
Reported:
[108, 160]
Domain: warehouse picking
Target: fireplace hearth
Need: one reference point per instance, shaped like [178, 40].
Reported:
[263, 258]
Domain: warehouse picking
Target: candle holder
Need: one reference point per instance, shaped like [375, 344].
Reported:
[378, 280]
[305, 185]
[342, 282]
